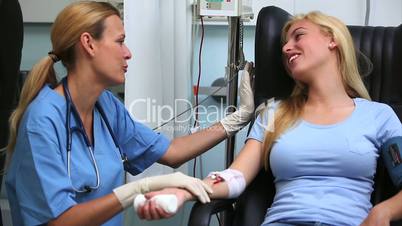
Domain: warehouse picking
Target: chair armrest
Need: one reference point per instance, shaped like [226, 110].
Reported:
[201, 213]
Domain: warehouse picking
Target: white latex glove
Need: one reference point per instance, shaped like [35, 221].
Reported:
[238, 119]
[168, 202]
[126, 193]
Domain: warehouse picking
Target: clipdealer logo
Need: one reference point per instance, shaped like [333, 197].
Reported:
[157, 114]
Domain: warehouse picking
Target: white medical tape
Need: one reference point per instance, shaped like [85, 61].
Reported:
[234, 180]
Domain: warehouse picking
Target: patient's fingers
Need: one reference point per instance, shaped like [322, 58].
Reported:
[161, 212]
[142, 211]
[151, 211]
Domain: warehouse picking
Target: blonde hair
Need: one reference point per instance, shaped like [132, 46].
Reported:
[71, 22]
[290, 109]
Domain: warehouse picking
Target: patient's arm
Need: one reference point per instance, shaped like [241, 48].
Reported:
[248, 162]
[385, 211]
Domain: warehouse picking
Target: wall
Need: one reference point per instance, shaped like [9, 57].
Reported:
[352, 12]
[33, 9]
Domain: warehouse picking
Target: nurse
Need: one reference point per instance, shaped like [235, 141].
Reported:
[70, 142]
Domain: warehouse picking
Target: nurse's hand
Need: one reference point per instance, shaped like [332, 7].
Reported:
[151, 211]
[126, 193]
[197, 187]
[238, 119]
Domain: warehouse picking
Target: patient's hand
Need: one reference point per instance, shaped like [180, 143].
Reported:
[150, 211]
[378, 216]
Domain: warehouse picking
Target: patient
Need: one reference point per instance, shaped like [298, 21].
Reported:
[326, 139]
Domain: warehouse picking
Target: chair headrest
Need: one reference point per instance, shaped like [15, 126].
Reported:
[271, 78]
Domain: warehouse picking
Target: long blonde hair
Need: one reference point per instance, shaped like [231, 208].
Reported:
[71, 22]
[290, 109]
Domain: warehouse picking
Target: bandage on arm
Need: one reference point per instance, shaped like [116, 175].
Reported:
[234, 179]
[168, 202]
[391, 152]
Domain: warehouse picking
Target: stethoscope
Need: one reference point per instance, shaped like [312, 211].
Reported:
[80, 128]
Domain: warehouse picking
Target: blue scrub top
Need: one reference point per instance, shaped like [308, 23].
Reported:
[37, 182]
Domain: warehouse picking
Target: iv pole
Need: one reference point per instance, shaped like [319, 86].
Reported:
[232, 72]
[234, 52]
[235, 62]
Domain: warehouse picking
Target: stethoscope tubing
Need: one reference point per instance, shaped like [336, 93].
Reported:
[71, 109]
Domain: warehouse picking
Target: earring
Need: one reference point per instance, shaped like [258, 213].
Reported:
[331, 45]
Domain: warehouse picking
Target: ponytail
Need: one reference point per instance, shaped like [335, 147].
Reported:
[42, 73]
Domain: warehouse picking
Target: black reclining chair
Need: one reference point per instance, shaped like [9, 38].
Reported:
[382, 45]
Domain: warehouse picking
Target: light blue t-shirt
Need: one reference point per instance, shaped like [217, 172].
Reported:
[37, 181]
[325, 172]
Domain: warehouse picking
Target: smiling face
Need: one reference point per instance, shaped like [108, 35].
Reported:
[111, 55]
[307, 48]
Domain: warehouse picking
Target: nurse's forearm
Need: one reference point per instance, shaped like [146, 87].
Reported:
[187, 147]
[94, 212]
